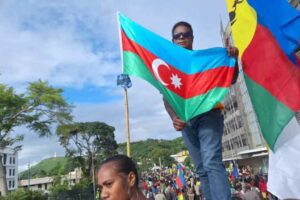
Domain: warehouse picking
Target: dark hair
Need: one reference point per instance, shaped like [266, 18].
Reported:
[182, 23]
[123, 164]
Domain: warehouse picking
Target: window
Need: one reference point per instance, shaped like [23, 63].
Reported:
[40, 186]
[14, 160]
[10, 160]
[4, 159]
[226, 146]
[9, 184]
[46, 186]
[13, 184]
[9, 172]
[244, 140]
[13, 172]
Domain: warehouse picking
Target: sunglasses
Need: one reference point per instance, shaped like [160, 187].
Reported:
[184, 35]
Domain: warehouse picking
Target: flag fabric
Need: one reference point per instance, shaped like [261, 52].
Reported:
[180, 181]
[193, 82]
[283, 173]
[180, 196]
[235, 171]
[266, 34]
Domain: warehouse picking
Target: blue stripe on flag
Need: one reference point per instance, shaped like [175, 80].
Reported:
[282, 20]
[187, 61]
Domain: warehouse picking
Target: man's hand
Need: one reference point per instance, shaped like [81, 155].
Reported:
[233, 51]
[178, 123]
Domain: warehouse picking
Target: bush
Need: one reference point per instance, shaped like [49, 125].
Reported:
[21, 194]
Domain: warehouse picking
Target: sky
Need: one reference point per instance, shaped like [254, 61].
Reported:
[74, 45]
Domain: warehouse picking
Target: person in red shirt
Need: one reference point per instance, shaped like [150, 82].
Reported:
[263, 187]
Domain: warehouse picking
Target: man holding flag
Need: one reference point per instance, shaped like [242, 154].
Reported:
[203, 133]
[193, 83]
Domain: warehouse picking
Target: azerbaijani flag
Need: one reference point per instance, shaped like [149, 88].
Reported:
[266, 33]
[180, 181]
[193, 82]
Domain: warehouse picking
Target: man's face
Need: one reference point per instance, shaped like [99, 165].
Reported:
[183, 36]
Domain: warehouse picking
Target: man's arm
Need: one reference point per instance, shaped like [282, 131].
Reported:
[177, 122]
[234, 52]
[236, 71]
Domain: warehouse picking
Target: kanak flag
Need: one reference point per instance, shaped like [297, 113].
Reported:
[267, 33]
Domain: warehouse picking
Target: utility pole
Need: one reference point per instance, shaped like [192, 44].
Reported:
[127, 123]
[29, 175]
[93, 171]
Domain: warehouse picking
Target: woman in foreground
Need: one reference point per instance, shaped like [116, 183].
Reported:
[118, 179]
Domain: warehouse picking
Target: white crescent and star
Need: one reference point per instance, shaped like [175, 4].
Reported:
[155, 65]
[176, 81]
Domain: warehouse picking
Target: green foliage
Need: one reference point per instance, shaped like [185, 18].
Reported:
[40, 106]
[188, 162]
[87, 143]
[47, 167]
[58, 188]
[21, 194]
[150, 151]
[145, 152]
[81, 190]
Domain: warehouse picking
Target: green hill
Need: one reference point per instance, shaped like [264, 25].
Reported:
[154, 151]
[47, 167]
[146, 153]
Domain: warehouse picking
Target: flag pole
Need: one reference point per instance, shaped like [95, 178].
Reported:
[124, 81]
[127, 123]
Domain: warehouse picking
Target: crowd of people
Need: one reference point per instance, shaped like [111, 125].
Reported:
[118, 177]
[162, 185]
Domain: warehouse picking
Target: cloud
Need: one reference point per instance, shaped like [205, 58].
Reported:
[148, 119]
[53, 42]
[36, 149]
[74, 44]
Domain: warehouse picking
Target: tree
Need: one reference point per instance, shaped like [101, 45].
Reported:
[161, 156]
[37, 109]
[90, 142]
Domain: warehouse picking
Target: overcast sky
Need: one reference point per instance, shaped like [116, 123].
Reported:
[74, 45]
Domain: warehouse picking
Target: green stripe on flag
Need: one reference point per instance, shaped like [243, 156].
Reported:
[185, 108]
[272, 115]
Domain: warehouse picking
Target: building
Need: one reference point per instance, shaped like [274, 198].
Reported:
[295, 3]
[9, 159]
[45, 183]
[242, 139]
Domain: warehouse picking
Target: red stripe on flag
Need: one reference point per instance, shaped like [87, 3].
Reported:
[178, 182]
[268, 66]
[192, 85]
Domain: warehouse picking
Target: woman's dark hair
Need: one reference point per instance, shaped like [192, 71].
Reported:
[182, 23]
[123, 164]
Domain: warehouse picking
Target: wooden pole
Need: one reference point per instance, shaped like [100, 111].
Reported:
[127, 123]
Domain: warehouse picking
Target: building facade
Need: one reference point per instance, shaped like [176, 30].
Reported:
[9, 159]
